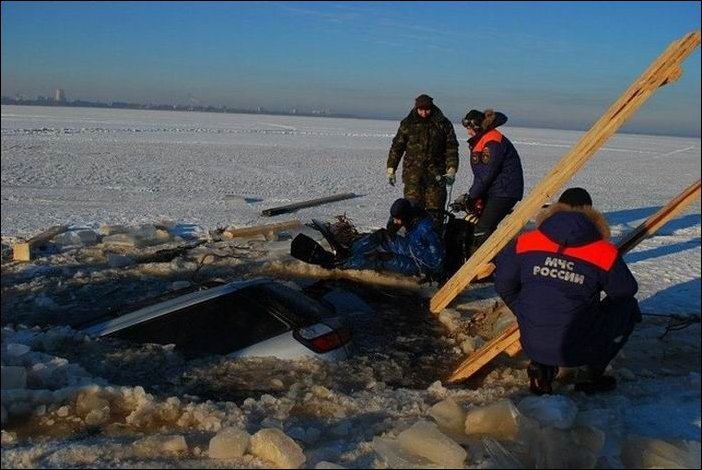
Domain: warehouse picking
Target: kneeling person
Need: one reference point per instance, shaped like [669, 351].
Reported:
[552, 278]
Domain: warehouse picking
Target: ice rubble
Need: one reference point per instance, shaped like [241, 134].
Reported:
[273, 445]
[315, 413]
[229, 443]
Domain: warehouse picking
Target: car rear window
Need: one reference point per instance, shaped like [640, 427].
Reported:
[296, 307]
[218, 326]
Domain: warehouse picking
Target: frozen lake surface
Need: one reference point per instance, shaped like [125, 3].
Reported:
[100, 403]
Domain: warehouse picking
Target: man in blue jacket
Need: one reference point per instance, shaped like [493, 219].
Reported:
[552, 278]
[419, 253]
[498, 180]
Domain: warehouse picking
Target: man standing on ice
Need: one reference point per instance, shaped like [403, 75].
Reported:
[427, 141]
[552, 279]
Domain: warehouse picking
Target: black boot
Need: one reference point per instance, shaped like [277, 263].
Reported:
[597, 382]
[540, 377]
[306, 249]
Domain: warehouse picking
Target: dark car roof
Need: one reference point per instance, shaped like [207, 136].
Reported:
[157, 310]
[294, 308]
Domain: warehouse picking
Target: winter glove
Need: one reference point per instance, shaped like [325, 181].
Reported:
[391, 177]
[462, 203]
[450, 177]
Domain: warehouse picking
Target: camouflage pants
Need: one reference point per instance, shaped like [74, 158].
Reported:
[429, 194]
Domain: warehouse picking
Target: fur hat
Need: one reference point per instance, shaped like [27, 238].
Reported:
[488, 120]
[575, 197]
[423, 101]
[480, 120]
[473, 119]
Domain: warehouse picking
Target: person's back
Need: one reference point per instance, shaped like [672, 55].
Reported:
[552, 278]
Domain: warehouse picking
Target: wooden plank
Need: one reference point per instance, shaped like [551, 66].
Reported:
[485, 270]
[663, 70]
[514, 348]
[488, 352]
[259, 229]
[23, 251]
[313, 202]
[660, 218]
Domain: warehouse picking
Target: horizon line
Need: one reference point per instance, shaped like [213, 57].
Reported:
[183, 108]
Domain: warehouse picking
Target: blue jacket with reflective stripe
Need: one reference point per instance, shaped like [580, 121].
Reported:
[552, 278]
[497, 169]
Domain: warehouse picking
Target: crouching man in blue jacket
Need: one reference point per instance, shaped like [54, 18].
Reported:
[419, 253]
[552, 278]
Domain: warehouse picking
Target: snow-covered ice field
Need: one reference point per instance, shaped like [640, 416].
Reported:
[90, 166]
[93, 167]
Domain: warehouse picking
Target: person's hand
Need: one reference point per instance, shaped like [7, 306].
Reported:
[462, 203]
[391, 177]
[450, 177]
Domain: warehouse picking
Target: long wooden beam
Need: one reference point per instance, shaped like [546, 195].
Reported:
[660, 218]
[651, 225]
[313, 202]
[508, 340]
[666, 68]
[262, 229]
[23, 251]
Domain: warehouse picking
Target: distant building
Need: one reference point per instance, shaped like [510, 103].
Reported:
[59, 95]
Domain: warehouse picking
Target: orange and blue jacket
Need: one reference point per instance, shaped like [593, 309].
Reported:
[552, 279]
[497, 169]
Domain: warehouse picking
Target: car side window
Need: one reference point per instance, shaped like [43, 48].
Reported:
[218, 326]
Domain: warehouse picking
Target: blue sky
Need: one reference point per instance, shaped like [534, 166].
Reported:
[551, 64]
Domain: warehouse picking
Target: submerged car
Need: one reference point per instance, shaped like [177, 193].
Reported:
[257, 317]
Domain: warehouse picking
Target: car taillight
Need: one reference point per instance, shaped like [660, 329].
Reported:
[321, 338]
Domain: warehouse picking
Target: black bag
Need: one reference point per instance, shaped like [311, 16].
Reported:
[306, 249]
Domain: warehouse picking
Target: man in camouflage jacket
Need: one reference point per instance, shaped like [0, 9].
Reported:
[428, 142]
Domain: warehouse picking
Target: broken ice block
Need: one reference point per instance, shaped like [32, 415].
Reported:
[120, 239]
[13, 377]
[557, 449]
[550, 410]
[396, 456]
[472, 344]
[229, 443]
[499, 420]
[90, 401]
[17, 349]
[449, 415]
[151, 446]
[70, 238]
[327, 465]
[118, 261]
[425, 439]
[273, 445]
[646, 452]
[589, 437]
[499, 456]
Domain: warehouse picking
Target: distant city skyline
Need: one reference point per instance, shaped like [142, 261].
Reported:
[545, 64]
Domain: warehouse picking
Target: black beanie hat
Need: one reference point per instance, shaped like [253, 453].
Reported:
[474, 118]
[575, 197]
[401, 209]
[423, 101]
